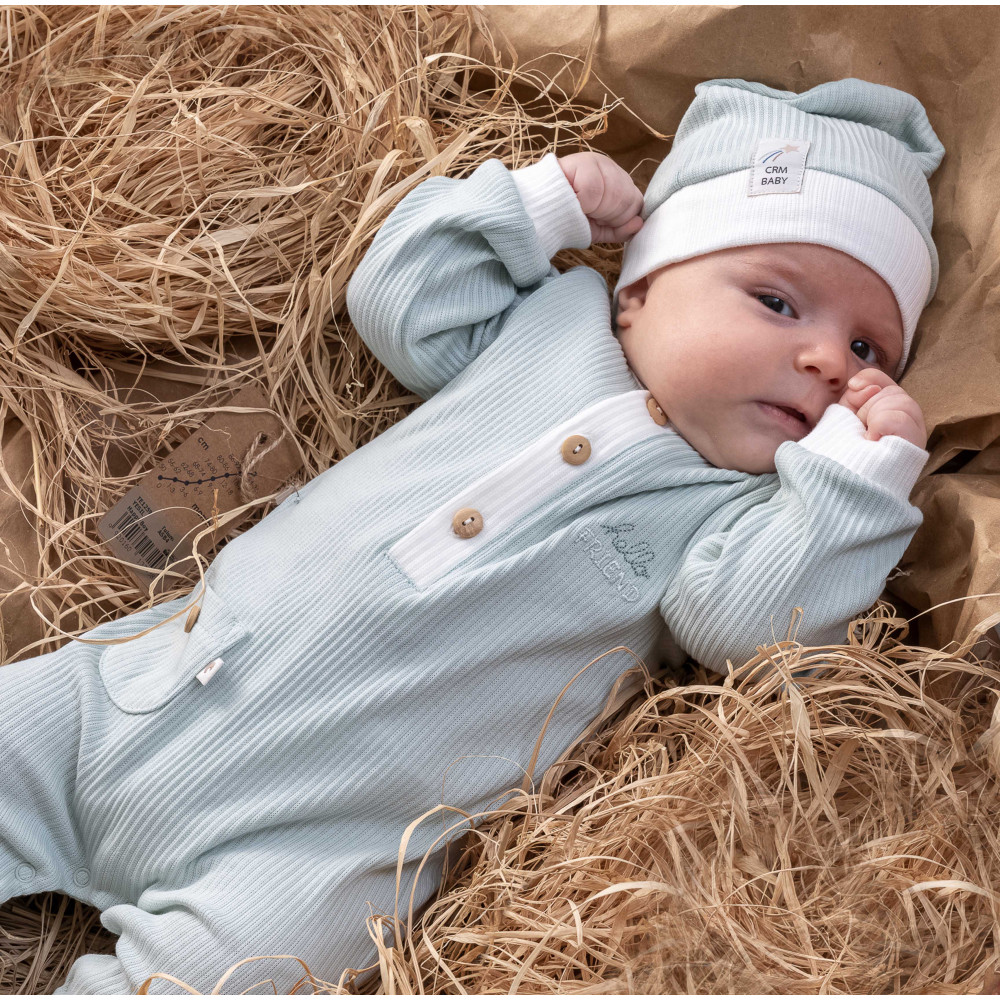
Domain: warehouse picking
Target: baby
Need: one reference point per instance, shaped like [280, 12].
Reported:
[439, 616]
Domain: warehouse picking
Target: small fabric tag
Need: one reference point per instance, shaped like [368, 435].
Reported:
[778, 166]
[206, 673]
[231, 459]
[286, 493]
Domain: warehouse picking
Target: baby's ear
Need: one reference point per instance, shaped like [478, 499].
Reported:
[631, 299]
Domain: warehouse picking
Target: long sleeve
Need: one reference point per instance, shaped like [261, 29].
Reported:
[453, 259]
[825, 541]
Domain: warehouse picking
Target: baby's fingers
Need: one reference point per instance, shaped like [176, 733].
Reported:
[606, 234]
[854, 399]
[621, 200]
[629, 229]
[885, 397]
[864, 386]
[884, 422]
[894, 413]
[587, 181]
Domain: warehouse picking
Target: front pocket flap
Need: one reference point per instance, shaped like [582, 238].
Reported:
[145, 673]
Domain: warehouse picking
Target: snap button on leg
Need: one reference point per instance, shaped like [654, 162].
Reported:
[25, 872]
[467, 522]
[192, 617]
[81, 877]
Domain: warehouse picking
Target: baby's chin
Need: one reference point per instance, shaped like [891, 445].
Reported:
[759, 467]
[755, 458]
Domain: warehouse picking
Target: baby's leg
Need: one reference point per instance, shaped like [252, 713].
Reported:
[296, 890]
[296, 887]
[41, 703]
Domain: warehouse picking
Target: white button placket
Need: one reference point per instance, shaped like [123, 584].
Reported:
[467, 522]
[489, 506]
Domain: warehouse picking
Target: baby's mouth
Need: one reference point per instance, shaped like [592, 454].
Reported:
[787, 415]
[793, 412]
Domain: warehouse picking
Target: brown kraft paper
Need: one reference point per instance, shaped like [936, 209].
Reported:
[651, 57]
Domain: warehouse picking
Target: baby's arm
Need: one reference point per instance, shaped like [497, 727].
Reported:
[453, 259]
[825, 541]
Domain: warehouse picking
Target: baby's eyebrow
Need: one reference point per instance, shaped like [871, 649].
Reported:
[783, 266]
[788, 268]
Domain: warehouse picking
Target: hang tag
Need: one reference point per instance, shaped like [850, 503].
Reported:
[205, 476]
[778, 166]
[207, 673]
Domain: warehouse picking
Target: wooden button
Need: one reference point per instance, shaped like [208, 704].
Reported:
[654, 410]
[192, 617]
[575, 449]
[467, 522]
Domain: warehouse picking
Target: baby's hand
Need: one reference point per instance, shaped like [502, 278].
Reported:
[607, 195]
[884, 408]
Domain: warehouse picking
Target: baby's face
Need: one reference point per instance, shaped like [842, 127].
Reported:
[717, 337]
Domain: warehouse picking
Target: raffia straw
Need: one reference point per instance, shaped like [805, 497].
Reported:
[176, 179]
[828, 834]
[196, 185]
[762, 832]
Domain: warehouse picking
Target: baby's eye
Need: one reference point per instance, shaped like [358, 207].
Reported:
[874, 359]
[775, 302]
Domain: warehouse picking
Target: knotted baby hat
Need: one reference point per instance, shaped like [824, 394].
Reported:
[844, 165]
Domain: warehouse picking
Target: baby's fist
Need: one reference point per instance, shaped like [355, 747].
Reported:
[884, 408]
[607, 195]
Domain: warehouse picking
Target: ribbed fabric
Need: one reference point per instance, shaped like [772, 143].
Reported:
[864, 191]
[262, 812]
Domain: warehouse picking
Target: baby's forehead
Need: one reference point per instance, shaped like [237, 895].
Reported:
[810, 264]
[796, 258]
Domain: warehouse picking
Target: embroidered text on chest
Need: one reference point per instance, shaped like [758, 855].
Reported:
[636, 554]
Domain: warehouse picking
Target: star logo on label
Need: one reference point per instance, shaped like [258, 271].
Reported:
[779, 166]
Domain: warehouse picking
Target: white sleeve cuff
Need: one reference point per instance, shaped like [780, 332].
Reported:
[891, 462]
[553, 205]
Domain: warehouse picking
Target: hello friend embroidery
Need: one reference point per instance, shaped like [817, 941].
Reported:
[636, 555]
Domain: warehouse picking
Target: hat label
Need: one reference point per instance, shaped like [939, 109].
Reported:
[778, 166]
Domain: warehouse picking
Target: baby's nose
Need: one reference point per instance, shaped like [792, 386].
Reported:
[826, 359]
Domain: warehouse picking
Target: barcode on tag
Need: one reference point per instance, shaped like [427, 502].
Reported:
[129, 529]
[232, 457]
